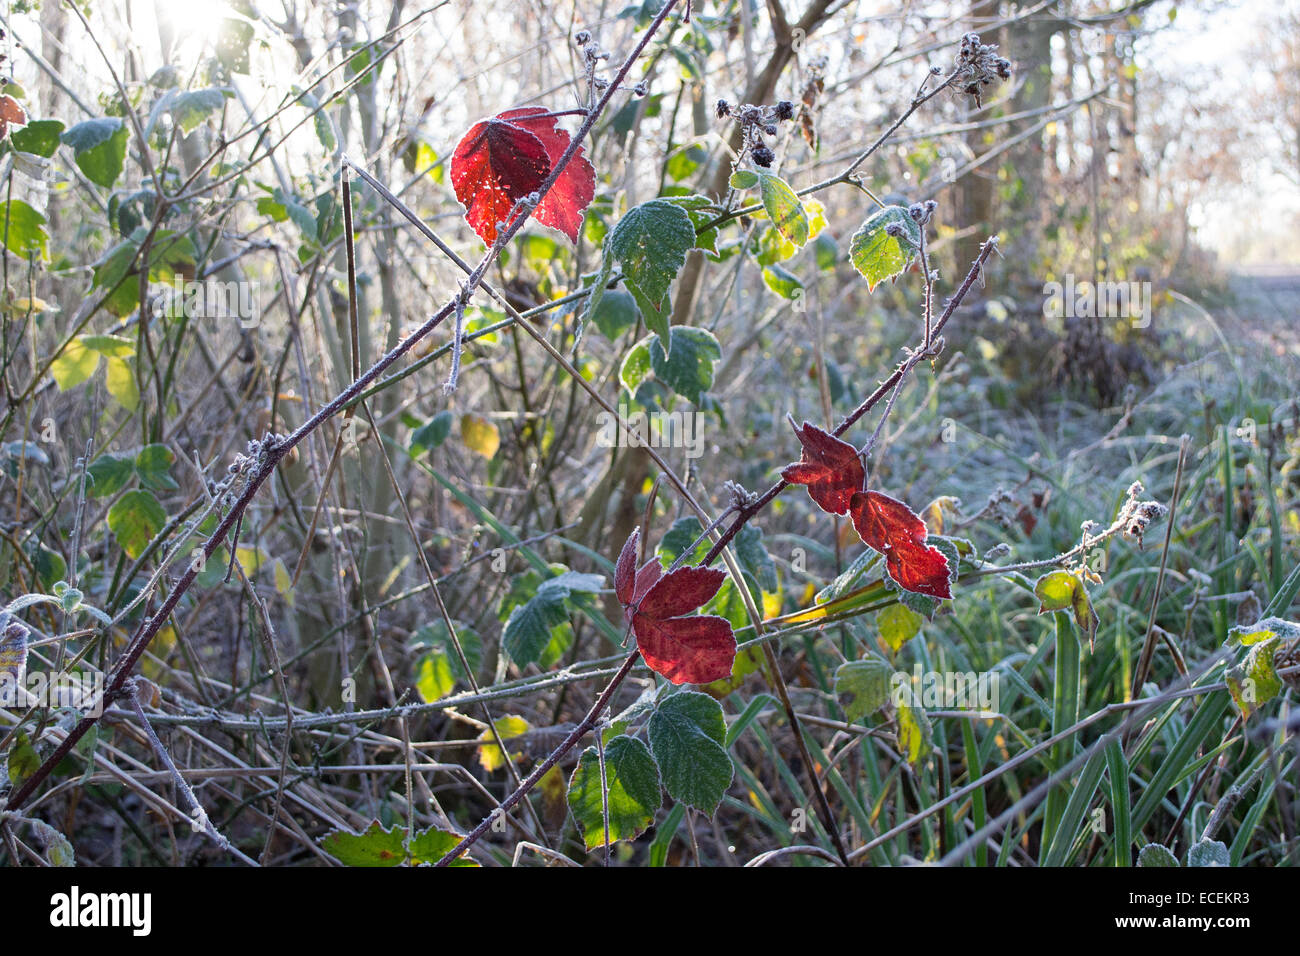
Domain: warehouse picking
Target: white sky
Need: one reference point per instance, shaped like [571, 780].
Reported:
[1222, 35]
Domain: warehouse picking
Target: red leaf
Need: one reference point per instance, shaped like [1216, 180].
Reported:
[688, 650]
[890, 527]
[685, 648]
[681, 592]
[495, 164]
[625, 570]
[829, 467]
[503, 159]
[646, 578]
[11, 114]
[562, 206]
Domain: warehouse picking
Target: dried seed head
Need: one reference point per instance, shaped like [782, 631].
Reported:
[978, 65]
[921, 212]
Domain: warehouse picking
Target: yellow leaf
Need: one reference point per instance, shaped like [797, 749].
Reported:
[34, 304]
[771, 605]
[121, 383]
[489, 754]
[913, 733]
[74, 366]
[283, 583]
[480, 435]
[251, 559]
[939, 513]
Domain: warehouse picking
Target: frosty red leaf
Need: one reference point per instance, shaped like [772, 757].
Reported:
[887, 525]
[829, 467]
[684, 647]
[833, 473]
[502, 159]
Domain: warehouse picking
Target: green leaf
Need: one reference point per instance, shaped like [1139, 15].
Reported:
[1062, 590]
[615, 313]
[636, 366]
[359, 64]
[878, 255]
[787, 213]
[438, 669]
[850, 577]
[651, 243]
[687, 368]
[188, 109]
[529, 628]
[99, 148]
[24, 232]
[898, 624]
[111, 346]
[373, 847]
[1155, 855]
[153, 464]
[433, 680]
[281, 206]
[826, 252]
[109, 474]
[753, 556]
[234, 38]
[431, 845]
[743, 179]
[687, 732]
[23, 759]
[633, 791]
[58, 851]
[432, 434]
[134, 519]
[1264, 630]
[680, 536]
[865, 684]
[782, 281]
[39, 137]
[1208, 853]
[1254, 682]
[49, 564]
[170, 254]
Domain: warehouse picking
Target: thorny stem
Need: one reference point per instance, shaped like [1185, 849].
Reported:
[748, 511]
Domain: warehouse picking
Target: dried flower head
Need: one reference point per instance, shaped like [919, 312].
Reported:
[978, 65]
